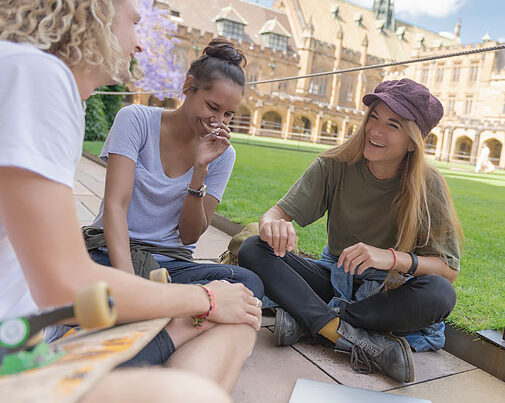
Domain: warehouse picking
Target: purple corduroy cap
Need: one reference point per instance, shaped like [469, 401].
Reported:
[410, 100]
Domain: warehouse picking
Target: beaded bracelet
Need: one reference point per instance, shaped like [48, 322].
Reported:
[199, 320]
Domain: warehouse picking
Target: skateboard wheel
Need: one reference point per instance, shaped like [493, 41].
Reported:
[160, 275]
[94, 307]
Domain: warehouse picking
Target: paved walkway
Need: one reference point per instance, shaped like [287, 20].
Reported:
[271, 372]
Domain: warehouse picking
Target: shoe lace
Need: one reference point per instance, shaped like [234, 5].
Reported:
[360, 363]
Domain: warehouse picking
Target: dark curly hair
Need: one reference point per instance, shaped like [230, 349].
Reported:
[220, 59]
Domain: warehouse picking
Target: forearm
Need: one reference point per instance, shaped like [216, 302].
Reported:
[274, 213]
[426, 265]
[115, 227]
[135, 298]
[193, 220]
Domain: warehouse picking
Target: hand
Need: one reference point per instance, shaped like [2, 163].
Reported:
[235, 303]
[280, 235]
[213, 144]
[361, 256]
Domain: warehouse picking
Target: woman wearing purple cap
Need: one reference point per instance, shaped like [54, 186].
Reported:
[393, 239]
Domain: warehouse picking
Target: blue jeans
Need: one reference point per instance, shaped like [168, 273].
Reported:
[183, 272]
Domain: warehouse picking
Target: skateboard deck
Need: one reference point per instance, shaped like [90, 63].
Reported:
[89, 356]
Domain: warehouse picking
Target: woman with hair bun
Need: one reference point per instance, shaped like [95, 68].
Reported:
[167, 171]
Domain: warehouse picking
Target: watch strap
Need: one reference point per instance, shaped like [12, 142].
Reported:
[415, 262]
[197, 192]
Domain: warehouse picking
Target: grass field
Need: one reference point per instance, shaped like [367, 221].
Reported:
[264, 172]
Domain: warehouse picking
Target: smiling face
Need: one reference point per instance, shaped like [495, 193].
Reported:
[217, 102]
[124, 24]
[386, 139]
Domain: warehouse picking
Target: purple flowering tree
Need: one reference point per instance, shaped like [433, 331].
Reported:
[161, 75]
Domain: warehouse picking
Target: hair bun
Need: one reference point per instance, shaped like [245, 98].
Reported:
[225, 50]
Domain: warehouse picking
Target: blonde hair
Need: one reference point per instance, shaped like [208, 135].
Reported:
[424, 209]
[76, 31]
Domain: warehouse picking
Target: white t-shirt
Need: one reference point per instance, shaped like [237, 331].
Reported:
[41, 130]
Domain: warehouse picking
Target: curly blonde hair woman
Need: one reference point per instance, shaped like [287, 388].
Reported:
[393, 240]
[53, 54]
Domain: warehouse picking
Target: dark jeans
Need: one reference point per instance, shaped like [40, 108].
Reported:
[183, 272]
[303, 288]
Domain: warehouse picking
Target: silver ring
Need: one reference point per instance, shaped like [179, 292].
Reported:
[225, 281]
[257, 303]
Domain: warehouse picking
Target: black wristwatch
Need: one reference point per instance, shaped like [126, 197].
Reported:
[197, 193]
[415, 262]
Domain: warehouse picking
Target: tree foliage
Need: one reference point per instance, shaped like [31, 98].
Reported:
[161, 75]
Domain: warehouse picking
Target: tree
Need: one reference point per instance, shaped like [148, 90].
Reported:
[161, 75]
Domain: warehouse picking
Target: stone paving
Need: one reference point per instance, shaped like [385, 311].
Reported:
[271, 372]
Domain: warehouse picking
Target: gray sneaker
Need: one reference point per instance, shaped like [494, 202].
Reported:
[372, 350]
[287, 330]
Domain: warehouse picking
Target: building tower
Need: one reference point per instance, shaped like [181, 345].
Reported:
[385, 10]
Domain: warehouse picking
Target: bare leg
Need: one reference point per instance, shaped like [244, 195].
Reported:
[218, 353]
[181, 330]
[155, 385]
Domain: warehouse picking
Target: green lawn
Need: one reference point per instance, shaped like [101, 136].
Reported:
[264, 172]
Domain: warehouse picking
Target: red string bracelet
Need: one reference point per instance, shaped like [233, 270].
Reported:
[199, 320]
[394, 257]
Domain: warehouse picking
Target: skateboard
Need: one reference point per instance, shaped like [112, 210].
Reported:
[64, 370]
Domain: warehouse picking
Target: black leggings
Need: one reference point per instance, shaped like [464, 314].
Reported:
[304, 288]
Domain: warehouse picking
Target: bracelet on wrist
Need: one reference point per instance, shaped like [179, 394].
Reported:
[415, 262]
[394, 257]
[199, 320]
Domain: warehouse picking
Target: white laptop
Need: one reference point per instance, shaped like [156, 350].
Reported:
[308, 391]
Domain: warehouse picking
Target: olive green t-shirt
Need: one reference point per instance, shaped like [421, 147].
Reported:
[360, 207]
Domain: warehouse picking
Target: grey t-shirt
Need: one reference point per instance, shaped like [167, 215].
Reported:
[360, 207]
[156, 203]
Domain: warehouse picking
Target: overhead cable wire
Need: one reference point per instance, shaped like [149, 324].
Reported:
[383, 65]
[349, 70]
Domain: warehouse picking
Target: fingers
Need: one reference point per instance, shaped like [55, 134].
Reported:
[280, 235]
[253, 321]
[219, 125]
[266, 234]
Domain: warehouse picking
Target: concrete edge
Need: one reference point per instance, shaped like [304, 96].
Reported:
[476, 351]
[468, 347]
[93, 158]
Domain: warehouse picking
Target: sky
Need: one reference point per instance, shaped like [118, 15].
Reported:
[478, 17]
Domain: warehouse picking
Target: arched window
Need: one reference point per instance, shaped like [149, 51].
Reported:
[271, 123]
[495, 148]
[430, 144]
[302, 126]
[241, 121]
[463, 149]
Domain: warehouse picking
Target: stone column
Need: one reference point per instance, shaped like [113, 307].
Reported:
[289, 121]
[316, 130]
[360, 86]
[256, 121]
[448, 145]
[341, 136]
[475, 147]
[335, 83]
[306, 58]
